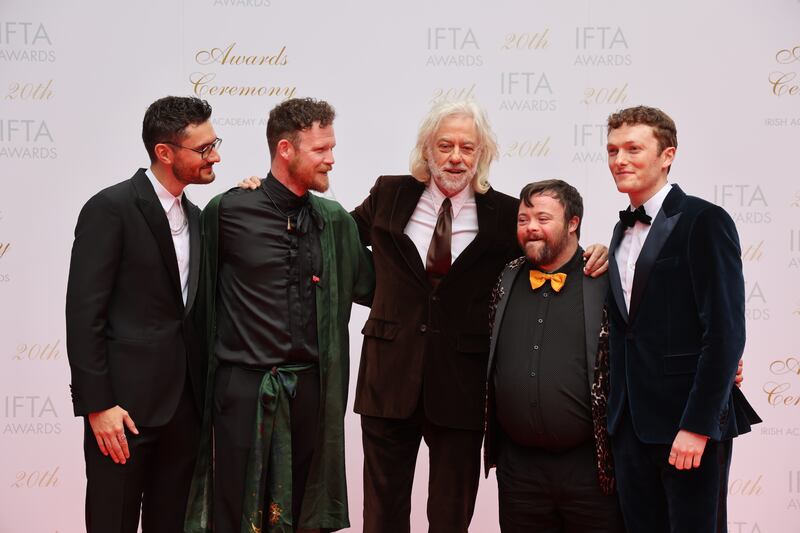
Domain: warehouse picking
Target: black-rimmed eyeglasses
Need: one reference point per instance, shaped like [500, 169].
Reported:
[204, 151]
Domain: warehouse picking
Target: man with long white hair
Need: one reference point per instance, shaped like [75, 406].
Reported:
[440, 237]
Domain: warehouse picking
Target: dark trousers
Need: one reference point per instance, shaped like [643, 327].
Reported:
[552, 492]
[390, 456]
[154, 481]
[235, 402]
[656, 497]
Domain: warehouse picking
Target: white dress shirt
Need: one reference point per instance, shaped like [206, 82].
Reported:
[422, 223]
[180, 239]
[630, 247]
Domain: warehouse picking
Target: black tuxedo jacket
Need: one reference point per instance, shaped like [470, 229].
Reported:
[594, 298]
[674, 355]
[421, 343]
[130, 338]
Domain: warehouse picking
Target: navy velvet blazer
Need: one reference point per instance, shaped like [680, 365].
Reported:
[674, 355]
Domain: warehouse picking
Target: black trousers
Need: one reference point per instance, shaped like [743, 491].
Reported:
[235, 403]
[390, 456]
[552, 492]
[657, 498]
[154, 481]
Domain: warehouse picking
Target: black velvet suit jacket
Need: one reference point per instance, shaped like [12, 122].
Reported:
[426, 343]
[674, 356]
[130, 338]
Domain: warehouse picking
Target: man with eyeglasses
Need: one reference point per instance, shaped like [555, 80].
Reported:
[138, 369]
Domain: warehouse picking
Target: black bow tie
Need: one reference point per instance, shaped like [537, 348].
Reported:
[629, 218]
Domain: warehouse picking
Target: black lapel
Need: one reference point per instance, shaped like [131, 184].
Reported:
[405, 201]
[594, 294]
[487, 227]
[506, 284]
[193, 213]
[662, 227]
[156, 218]
[613, 271]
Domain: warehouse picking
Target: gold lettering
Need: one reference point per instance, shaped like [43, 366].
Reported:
[605, 95]
[753, 252]
[776, 397]
[787, 56]
[539, 148]
[201, 83]
[226, 56]
[745, 487]
[790, 365]
[780, 83]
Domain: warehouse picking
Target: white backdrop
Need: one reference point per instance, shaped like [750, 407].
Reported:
[76, 78]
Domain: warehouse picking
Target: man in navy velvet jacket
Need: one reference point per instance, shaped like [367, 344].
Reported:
[677, 330]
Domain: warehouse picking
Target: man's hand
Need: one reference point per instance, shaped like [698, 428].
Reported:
[739, 374]
[109, 431]
[252, 183]
[687, 449]
[597, 262]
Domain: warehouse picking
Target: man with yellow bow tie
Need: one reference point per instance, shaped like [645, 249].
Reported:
[546, 401]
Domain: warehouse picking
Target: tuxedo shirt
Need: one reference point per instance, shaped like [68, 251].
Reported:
[422, 223]
[632, 242]
[180, 239]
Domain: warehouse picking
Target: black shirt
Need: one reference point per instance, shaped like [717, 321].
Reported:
[266, 303]
[541, 382]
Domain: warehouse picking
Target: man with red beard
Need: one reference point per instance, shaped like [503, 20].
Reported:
[439, 239]
[282, 268]
[546, 420]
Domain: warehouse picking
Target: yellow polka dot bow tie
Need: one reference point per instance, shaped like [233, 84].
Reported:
[557, 279]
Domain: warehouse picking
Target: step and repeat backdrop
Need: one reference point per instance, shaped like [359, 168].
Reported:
[76, 78]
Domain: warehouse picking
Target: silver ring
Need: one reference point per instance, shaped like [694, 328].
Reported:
[122, 437]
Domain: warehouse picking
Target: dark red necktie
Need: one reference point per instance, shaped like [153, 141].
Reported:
[437, 263]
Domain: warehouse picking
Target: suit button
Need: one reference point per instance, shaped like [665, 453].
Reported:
[435, 298]
[423, 328]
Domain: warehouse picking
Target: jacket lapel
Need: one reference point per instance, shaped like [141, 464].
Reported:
[662, 227]
[405, 202]
[613, 271]
[594, 293]
[194, 250]
[148, 204]
[499, 302]
[487, 226]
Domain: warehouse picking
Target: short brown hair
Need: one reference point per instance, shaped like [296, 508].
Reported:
[289, 118]
[567, 195]
[167, 118]
[663, 126]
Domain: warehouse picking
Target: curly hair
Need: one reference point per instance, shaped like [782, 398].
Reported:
[167, 118]
[663, 126]
[289, 118]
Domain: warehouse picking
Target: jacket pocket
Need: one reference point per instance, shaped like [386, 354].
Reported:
[380, 329]
[681, 363]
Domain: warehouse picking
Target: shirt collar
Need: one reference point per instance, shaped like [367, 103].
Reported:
[653, 205]
[284, 199]
[457, 202]
[164, 196]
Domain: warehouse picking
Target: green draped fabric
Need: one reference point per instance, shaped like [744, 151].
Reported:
[347, 277]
